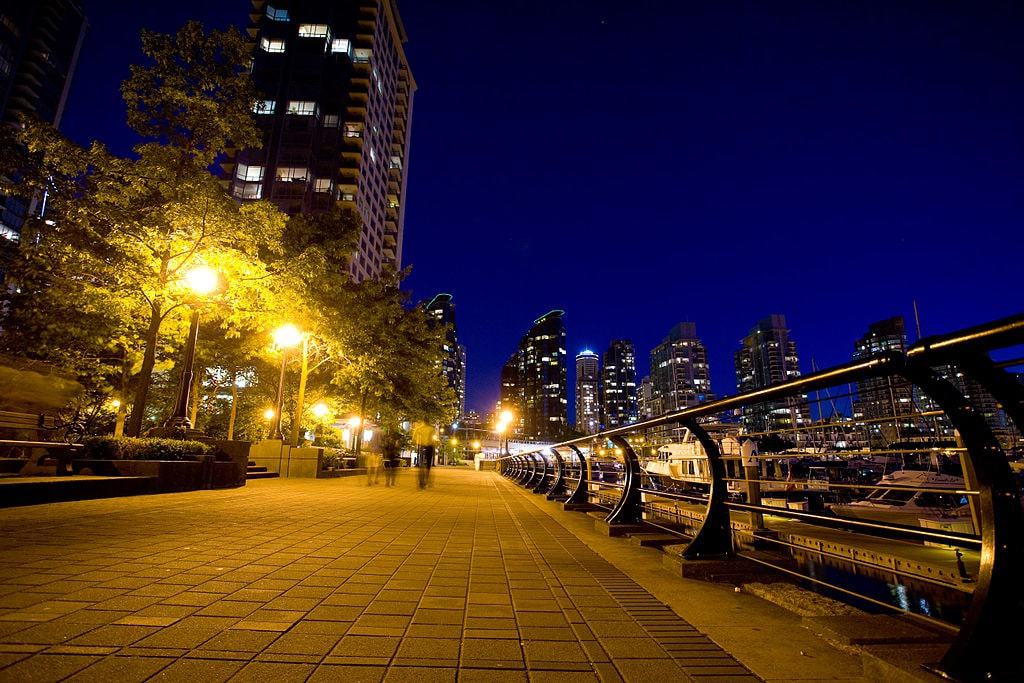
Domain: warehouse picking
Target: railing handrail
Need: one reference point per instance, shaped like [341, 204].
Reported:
[983, 648]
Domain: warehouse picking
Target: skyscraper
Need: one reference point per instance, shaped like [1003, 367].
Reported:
[535, 379]
[768, 356]
[645, 399]
[884, 405]
[680, 376]
[441, 310]
[335, 107]
[618, 384]
[39, 46]
[588, 398]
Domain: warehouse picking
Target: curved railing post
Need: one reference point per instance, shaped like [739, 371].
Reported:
[581, 494]
[714, 537]
[523, 469]
[542, 483]
[985, 647]
[529, 481]
[629, 509]
[557, 489]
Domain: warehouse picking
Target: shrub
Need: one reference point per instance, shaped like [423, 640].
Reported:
[109, 448]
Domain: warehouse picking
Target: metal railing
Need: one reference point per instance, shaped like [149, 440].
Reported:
[718, 508]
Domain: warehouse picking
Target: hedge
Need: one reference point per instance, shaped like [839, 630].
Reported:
[126, 448]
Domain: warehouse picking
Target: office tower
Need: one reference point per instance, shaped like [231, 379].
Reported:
[767, 357]
[534, 379]
[618, 384]
[441, 311]
[335, 108]
[884, 406]
[39, 46]
[588, 398]
[680, 377]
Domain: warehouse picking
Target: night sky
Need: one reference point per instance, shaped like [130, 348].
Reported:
[641, 163]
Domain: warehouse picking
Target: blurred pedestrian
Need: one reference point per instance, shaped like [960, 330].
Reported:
[424, 436]
[392, 458]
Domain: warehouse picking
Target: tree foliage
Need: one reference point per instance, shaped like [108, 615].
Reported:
[101, 278]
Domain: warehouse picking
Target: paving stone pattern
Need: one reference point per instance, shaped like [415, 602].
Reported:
[306, 580]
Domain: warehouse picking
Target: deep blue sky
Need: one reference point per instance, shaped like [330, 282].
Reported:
[645, 162]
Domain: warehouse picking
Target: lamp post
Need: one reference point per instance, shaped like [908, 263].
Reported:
[285, 337]
[201, 281]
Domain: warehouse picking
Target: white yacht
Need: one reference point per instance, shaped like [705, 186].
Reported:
[910, 506]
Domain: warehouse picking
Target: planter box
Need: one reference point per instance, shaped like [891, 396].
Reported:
[172, 475]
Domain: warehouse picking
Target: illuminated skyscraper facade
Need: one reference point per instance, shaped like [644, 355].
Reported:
[618, 384]
[534, 380]
[441, 310]
[588, 397]
[335, 108]
[768, 356]
[680, 376]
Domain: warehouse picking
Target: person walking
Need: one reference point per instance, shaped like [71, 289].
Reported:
[424, 436]
[392, 459]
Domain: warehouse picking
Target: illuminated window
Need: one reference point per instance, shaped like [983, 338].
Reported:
[314, 31]
[277, 14]
[322, 185]
[249, 173]
[292, 174]
[331, 121]
[302, 107]
[248, 190]
[264, 107]
[343, 45]
[353, 130]
[274, 46]
[362, 55]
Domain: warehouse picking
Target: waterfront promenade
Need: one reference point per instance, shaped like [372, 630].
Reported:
[294, 580]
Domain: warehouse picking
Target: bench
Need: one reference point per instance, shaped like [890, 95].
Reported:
[14, 446]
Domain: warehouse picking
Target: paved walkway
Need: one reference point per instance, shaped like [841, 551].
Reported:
[294, 580]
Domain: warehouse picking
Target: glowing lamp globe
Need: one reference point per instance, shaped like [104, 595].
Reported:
[202, 280]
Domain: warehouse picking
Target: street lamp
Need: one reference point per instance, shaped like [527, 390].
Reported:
[285, 337]
[201, 281]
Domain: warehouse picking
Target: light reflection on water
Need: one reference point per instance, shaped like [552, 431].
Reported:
[919, 597]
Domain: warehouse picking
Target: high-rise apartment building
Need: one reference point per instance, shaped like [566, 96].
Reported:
[618, 384]
[884, 406]
[39, 46]
[768, 356]
[645, 399]
[441, 310]
[680, 376]
[588, 397]
[335, 109]
[534, 379]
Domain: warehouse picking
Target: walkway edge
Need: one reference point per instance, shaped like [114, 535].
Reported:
[770, 641]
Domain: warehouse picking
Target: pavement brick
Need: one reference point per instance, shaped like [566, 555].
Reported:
[466, 581]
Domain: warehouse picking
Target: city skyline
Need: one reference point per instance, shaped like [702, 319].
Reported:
[851, 190]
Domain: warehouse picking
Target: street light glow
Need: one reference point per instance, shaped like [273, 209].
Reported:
[321, 410]
[202, 280]
[268, 414]
[287, 336]
[354, 422]
[507, 416]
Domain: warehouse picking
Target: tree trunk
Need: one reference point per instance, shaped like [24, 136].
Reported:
[234, 404]
[145, 373]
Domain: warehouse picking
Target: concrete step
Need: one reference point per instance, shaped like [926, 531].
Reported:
[253, 468]
[262, 475]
